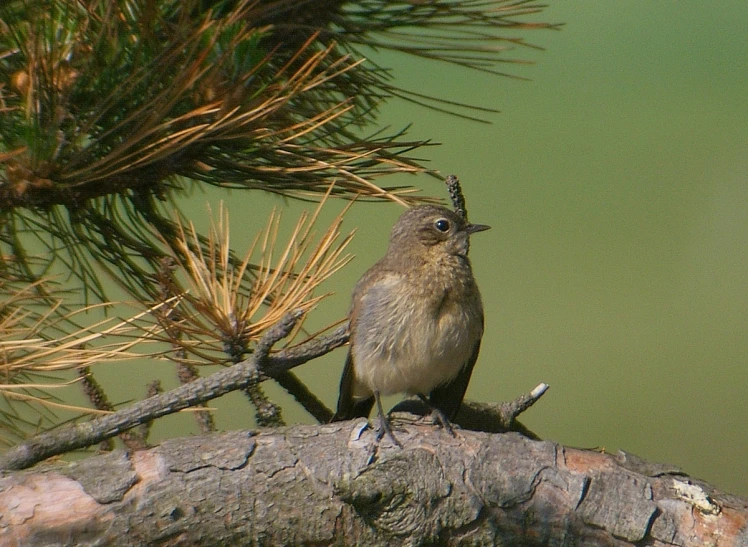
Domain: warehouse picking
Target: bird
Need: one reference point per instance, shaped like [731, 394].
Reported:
[415, 321]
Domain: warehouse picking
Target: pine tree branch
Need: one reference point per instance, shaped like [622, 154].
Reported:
[258, 367]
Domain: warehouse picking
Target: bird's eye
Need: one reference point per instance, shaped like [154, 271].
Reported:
[442, 225]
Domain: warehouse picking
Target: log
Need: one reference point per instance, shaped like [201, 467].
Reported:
[337, 484]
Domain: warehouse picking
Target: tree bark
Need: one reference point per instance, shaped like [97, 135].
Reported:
[335, 484]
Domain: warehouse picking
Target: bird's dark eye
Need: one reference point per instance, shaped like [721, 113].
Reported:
[442, 225]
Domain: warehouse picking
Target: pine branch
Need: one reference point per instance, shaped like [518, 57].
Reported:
[261, 365]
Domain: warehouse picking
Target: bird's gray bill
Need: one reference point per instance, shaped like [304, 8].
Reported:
[472, 228]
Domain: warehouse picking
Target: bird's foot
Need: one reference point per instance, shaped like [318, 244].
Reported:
[384, 423]
[438, 417]
[386, 429]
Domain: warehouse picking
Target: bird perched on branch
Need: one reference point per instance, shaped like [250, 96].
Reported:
[416, 319]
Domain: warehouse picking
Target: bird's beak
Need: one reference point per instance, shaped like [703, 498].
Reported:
[472, 228]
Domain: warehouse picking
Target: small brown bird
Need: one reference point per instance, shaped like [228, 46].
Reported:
[416, 319]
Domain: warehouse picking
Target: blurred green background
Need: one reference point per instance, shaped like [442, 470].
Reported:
[616, 182]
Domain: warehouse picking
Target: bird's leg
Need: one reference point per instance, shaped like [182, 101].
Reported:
[384, 422]
[437, 416]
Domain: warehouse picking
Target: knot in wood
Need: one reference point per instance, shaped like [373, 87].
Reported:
[397, 495]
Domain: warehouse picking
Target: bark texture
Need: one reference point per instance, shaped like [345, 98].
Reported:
[335, 484]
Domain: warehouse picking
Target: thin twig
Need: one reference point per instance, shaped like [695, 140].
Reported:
[267, 413]
[455, 194]
[187, 373]
[499, 417]
[154, 388]
[488, 417]
[100, 401]
[303, 395]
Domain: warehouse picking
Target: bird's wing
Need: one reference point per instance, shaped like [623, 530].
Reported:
[448, 397]
[369, 302]
[349, 409]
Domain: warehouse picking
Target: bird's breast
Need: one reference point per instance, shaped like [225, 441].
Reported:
[415, 340]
